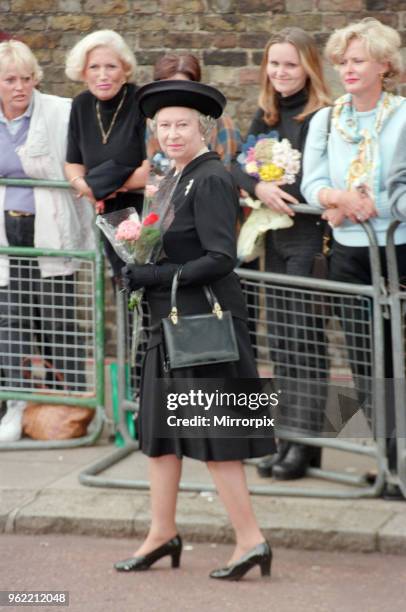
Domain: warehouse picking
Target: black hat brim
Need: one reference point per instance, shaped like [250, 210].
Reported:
[161, 94]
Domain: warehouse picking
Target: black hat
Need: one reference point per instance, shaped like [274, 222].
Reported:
[159, 94]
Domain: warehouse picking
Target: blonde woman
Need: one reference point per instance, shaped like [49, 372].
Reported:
[33, 136]
[348, 177]
[292, 90]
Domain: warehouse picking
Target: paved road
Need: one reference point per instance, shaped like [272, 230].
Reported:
[301, 580]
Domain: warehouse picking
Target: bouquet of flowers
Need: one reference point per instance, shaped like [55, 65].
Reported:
[134, 240]
[267, 159]
[138, 240]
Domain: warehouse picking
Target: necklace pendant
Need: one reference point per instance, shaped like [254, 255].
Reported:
[105, 135]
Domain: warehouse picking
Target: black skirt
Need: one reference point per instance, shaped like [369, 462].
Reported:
[211, 447]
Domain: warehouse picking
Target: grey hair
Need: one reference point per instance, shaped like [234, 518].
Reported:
[77, 56]
[206, 124]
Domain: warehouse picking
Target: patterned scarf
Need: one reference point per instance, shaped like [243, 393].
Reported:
[365, 167]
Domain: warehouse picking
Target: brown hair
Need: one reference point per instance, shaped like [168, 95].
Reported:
[310, 59]
[170, 64]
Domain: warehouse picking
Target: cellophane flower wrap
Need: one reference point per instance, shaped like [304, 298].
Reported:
[271, 160]
[139, 240]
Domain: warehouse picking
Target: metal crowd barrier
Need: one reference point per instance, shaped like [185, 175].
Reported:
[52, 333]
[397, 304]
[326, 302]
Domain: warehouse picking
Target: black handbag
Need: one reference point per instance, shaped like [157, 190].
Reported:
[321, 260]
[199, 339]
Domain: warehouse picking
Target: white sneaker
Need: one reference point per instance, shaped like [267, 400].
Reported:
[11, 423]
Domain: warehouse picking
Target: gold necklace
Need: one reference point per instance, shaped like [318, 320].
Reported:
[106, 135]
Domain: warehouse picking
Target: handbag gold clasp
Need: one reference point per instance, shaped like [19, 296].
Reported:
[217, 310]
[173, 315]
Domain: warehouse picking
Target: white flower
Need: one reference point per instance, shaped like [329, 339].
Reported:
[260, 221]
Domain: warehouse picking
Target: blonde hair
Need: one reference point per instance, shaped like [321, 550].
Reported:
[310, 60]
[382, 44]
[77, 56]
[18, 53]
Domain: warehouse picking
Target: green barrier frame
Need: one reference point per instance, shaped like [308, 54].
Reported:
[97, 402]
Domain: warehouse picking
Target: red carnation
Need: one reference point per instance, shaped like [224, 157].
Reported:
[150, 219]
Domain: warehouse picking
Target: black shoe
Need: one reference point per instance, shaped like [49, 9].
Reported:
[266, 465]
[392, 492]
[259, 555]
[137, 564]
[298, 458]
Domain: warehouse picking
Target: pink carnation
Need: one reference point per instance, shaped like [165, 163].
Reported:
[128, 230]
[150, 190]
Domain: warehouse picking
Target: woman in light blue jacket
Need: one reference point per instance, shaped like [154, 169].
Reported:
[348, 154]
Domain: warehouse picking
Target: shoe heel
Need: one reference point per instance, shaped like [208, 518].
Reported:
[315, 460]
[176, 559]
[265, 566]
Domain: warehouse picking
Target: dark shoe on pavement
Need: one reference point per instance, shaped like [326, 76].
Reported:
[266, 465]
[392, 492]
[172, 548]
[298, 458]
[260, 555]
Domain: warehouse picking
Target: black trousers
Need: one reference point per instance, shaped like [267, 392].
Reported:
[37, 315]
[297, 341]
[252, 302]
[352, 265]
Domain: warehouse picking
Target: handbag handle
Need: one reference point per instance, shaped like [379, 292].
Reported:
[208, 291]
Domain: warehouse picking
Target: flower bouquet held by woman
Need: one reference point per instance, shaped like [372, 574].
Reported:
[139, 241]
[270, 160]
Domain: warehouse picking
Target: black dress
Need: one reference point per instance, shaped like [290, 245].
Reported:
[125, 146]
[202, 238]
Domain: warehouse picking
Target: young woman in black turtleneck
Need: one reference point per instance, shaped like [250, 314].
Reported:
[292, 90]
[106, 159]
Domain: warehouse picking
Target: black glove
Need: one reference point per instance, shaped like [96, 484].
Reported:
[136, 276]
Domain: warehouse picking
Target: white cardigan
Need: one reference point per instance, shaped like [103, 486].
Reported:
[61, 221]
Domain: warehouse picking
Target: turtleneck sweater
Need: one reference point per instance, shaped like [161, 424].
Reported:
[126, 143]
[286, 127]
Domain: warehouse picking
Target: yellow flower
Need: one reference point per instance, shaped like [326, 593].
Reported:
[270, 172]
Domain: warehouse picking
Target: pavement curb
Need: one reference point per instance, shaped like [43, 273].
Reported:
[311, 524]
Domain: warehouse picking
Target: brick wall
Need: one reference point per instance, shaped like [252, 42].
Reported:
[227, 35]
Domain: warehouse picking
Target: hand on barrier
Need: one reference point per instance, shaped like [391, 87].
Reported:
[334, 217]
[357, 205]
[83, 190]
